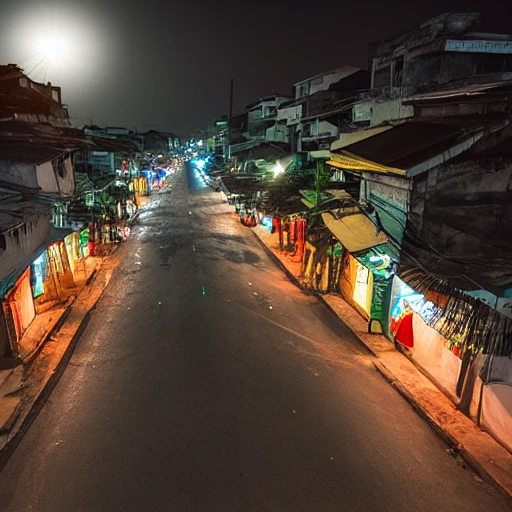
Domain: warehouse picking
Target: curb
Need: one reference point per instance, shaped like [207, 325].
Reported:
[454, 447]
[318, 296]
[347, 326]
[45, 391]
[281, 265]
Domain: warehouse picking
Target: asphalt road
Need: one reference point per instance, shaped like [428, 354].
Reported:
[205, 381]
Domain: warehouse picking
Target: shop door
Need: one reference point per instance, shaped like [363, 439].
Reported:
[21, 304]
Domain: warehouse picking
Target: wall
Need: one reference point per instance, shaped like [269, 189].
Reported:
[19, 173]
[291, 115]
[277, 133]
[433, 356]
[381, 111]
[57, 177]
[322, 83]
[21, 241]
[463, 211]
[390, 196]
[491, 402]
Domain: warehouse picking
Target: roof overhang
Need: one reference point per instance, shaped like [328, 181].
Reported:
[351, 162]
[353, 229]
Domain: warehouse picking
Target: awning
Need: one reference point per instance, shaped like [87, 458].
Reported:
[55, 235]
[351, 162]
[309, 204]
[410, 148]
[355, 231]
[346, 139]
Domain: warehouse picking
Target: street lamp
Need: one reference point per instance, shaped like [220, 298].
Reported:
[53, 48]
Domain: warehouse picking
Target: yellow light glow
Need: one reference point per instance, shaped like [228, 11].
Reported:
[53, 49]
[277, 169]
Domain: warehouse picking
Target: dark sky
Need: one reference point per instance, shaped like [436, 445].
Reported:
[166, 64]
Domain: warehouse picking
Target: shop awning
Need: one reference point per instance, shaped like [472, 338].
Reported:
[352, 162]
[8, 281]
[355, 231]
[410, 148]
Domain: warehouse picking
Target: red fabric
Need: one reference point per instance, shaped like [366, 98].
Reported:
[404, 333]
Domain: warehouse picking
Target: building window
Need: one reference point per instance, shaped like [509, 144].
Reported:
[382, 78]
[59, 166]
[270, 112]
[304, 90]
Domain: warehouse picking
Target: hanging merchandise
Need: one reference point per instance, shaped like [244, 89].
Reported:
[83, 243]
[71, 244]
[21, 304]
[404, 331]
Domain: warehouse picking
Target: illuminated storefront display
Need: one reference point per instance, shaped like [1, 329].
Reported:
[363, 289]
[38, 271]
[21, 304]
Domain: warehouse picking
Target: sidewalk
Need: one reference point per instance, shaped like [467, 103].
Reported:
[486, 456]
[25, 387]
[49, 342]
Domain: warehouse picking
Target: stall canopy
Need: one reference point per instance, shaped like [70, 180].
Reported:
[353, 229]
[353, 162]
[410, 148]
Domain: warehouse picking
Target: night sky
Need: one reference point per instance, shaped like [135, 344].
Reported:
[166, 64]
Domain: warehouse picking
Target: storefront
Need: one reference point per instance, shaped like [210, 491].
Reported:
[19, 305]
[367, 264]
[38, 275]
[72, 249]
[59, 268]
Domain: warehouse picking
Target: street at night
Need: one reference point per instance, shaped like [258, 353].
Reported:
[207, 381]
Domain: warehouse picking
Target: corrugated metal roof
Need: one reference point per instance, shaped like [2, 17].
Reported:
[23, 142]
[413, 146]
[354, 230]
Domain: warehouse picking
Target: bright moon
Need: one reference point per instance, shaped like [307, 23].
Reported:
[53, 49]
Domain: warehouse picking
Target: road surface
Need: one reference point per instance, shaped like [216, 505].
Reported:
[206, 381]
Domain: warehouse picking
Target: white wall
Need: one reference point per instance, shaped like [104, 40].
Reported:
[277, 133]
[434, 357]
[496, 415]
[291, 115]
[322, 83]
[380, 111]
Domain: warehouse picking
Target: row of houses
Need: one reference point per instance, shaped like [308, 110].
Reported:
[396, 195]
[67, 195]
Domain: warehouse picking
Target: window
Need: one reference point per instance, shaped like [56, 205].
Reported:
[270, 112]
[59, 166]
[304, 90]
[398, 71]
[382, 78]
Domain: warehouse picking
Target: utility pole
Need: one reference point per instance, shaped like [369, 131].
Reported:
[230, 118]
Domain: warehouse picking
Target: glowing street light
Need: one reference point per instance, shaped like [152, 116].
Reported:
[53, 49]
[277, 169]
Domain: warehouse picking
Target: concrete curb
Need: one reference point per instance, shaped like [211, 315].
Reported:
[25, 419]
[279, 263]
[454, 446]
